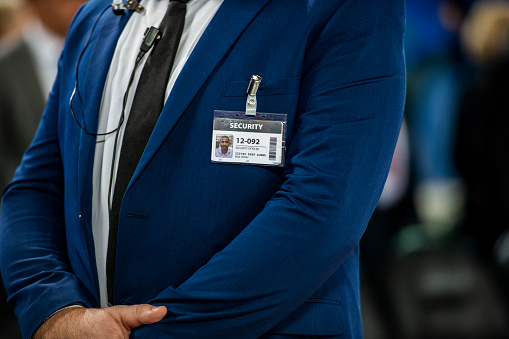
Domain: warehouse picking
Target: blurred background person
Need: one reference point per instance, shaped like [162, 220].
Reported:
[428, 255]
[27, 71]
[482, 150]
[437, 72]
[32, 37]
[13, 14]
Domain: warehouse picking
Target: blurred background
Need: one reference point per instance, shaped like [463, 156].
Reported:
[435, 256]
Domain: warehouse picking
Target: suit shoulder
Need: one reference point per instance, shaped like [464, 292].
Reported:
[344, 14]
[89, 12]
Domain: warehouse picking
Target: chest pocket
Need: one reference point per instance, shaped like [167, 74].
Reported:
[274, 95]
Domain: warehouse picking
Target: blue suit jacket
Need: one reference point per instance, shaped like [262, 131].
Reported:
[232, 251]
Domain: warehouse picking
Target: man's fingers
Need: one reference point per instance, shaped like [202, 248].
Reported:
[148, 314]
[134, 316]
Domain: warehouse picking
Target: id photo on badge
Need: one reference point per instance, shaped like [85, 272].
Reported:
[224, 145]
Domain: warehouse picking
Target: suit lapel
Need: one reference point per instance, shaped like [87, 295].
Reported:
[230, 21]
[96, 59]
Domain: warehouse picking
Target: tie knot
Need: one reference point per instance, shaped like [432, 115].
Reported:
[182, 1]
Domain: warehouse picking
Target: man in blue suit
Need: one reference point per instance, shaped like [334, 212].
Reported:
[281, 258]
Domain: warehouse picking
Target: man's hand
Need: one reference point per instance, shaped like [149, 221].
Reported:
[109, 323]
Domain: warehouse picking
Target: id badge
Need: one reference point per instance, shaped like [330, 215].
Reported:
[249, 139]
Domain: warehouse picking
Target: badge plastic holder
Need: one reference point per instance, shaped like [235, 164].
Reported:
[252, 140]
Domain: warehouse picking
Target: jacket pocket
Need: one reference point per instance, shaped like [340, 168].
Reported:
[274, 96]
[314, 317]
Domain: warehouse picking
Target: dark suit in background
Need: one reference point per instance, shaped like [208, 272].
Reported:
[21, 105]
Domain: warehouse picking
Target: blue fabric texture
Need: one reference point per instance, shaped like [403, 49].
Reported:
[281, 256]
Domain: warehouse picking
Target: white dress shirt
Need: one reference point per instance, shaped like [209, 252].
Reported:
[198, 16]
[45, 47]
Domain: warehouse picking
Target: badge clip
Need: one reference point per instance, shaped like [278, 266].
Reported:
[134, 6]
[251, 103]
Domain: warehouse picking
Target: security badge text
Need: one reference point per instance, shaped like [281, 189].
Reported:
[243, 126]
[247, 141]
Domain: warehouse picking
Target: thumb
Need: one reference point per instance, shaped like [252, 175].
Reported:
[137, 315]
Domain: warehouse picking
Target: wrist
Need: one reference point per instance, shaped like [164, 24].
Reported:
[56, 318]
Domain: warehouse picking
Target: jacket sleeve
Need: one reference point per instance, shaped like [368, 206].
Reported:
[33, 254]
[349, 115]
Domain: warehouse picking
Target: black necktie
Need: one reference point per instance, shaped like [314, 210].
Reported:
[147, 105]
